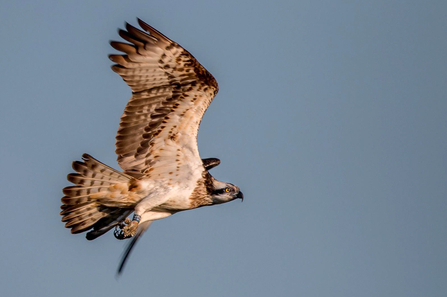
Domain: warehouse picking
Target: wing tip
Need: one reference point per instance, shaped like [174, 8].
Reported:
[154, 32]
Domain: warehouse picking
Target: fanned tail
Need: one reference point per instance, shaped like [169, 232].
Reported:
[98, 199]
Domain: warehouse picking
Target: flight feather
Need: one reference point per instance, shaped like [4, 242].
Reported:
[171, 92]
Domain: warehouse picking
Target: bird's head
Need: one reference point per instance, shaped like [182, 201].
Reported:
[225, 192]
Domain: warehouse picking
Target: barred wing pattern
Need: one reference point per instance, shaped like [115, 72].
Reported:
[171, 91]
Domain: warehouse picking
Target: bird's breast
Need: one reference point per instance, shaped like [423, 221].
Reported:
[178, 199]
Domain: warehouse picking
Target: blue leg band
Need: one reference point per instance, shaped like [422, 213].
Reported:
[136, 218]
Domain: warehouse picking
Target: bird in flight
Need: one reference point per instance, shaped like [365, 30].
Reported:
[156, 144]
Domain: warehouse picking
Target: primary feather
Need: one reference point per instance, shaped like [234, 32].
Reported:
[156, 144]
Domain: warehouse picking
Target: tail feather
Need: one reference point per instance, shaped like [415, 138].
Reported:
[80, 180]
[92, 168]
[76, 210]
[93, 215]
[97, 200]
[107, 223]
[81, 191]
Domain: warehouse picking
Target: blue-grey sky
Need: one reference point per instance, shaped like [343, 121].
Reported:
[331, 117]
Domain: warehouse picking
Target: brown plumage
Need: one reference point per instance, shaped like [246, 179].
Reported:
[156, 144]
[97, 198]
[167, 82]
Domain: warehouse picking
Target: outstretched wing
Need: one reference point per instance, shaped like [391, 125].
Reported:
[170, 93]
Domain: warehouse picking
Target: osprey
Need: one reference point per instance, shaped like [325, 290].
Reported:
[156, 144]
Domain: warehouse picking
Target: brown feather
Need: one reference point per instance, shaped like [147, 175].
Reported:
[99, 199]
[201, 196]
[167, 83]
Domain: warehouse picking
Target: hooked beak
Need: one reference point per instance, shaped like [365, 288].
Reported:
[240, 195]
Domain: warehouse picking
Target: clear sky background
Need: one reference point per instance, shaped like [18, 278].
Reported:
[331, 117]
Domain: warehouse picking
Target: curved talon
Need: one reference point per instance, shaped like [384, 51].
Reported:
[118, 233]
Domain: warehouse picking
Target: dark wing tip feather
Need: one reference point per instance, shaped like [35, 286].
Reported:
[210, 163]
[154, 32]
[123, 47]
[159, 71]
[86, 157]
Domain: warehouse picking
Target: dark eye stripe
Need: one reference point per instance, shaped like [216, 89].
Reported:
[220, 191]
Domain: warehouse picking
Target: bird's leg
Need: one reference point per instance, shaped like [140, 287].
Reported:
[127, 228]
